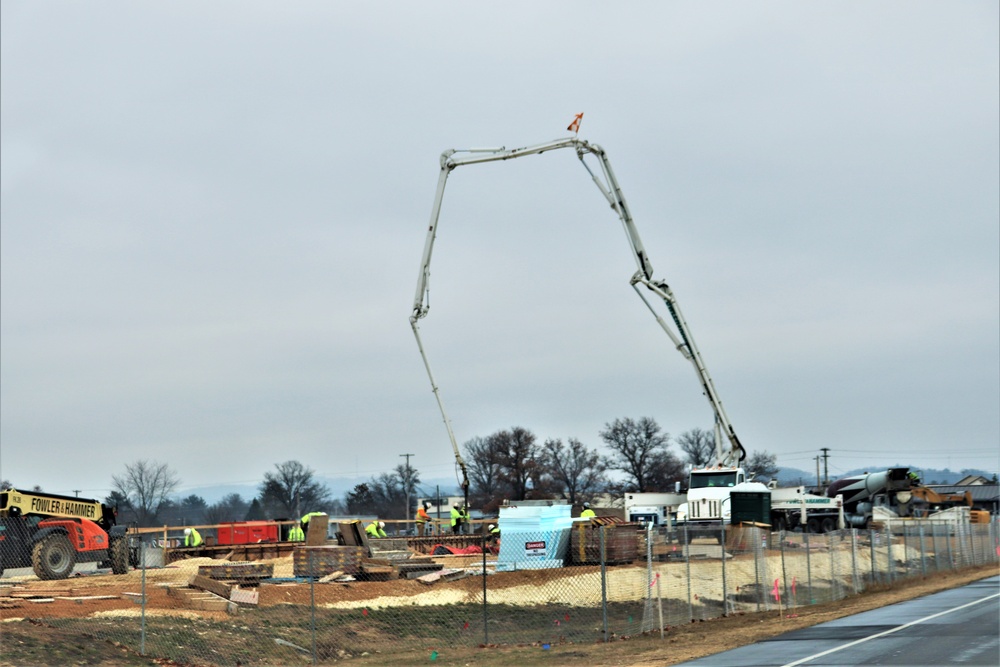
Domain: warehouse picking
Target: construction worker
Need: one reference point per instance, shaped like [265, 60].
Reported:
[492, 529]
[376, 529]
[192, 538]
[587, 512]
[305, 518]
[296, 534]
[422, 518]
[466, 520]
[456, 518]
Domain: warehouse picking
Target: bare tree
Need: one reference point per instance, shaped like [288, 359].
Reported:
[639, 450]
[698, 446]
[231, 508]
[293, 490]
[762, 465]
[577, 471]
[517, 451]
[483, 465]
[146, 485]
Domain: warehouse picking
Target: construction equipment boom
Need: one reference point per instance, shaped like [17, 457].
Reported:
[606, 182]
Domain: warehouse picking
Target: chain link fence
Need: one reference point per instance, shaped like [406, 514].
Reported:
[585, 584]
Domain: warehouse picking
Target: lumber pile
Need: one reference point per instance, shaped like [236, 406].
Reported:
[196, 598]
[621, 543]
[243, 573]
[324, 560]
[442, 575]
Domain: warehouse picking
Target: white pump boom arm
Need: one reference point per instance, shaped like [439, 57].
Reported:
[609, 187]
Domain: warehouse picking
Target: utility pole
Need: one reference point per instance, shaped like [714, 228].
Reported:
[826, 469]
[76, 492]
[819, 480]
[406, 483]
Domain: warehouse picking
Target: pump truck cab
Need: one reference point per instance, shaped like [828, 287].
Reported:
[51, 533]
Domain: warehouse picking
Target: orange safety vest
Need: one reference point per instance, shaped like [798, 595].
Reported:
[422, 516]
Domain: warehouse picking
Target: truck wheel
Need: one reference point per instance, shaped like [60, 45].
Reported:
[812, 525]
[53, 557]
[828, 525]
[119, 556]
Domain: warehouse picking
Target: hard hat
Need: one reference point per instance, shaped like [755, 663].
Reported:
[381, 524]
[492, 526]
[586, 505]
[187, 531]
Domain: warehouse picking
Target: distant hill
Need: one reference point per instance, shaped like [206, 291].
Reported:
[796, 477]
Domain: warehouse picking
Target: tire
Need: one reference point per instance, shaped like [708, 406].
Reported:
[812, 525]
[53, 557]
[119, 556]
[828, 525]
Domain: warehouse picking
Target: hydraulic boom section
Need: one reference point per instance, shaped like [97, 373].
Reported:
[605, 180]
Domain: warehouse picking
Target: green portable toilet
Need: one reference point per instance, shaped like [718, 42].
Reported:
[750, 503]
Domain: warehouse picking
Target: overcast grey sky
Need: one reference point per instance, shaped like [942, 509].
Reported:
[213, 216]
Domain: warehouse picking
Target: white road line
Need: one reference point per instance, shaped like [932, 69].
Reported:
[888, 632]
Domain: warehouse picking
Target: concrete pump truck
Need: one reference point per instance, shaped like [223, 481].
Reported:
[705, 505]
[51, 533]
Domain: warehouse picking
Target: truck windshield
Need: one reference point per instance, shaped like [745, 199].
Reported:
[702, 480]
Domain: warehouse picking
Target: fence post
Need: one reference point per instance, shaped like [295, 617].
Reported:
[871, 547]
[972, 545]
[937, 556]
[142, 631]
[949, 539]
[312, 604]
[855, 579]
[888, 552]
[923, 559]
[604, 584]
[687, 563]
[486, 630]
[725, 596]
[834, 588]
[809, 570]
[756, 561]
[784, 575]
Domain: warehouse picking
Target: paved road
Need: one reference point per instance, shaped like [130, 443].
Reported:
[956, 627]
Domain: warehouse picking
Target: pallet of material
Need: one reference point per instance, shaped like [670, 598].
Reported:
[414, 570]
[321, 561]
[41, 593]
[378, 572]
[242, 572]
[198, 599]
[245, 595]
[442, 575]
[621, 543]
[220, 588]
[84, 598]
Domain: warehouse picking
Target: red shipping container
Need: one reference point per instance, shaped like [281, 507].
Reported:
[248, 532]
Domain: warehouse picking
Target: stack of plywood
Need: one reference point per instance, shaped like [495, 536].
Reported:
[243, 573]
[321, 561]
[621, 543]
[196, 598]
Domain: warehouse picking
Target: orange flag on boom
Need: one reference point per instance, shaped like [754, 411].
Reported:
[575, 125]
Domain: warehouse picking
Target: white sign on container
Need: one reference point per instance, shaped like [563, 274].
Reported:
[535, 549]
